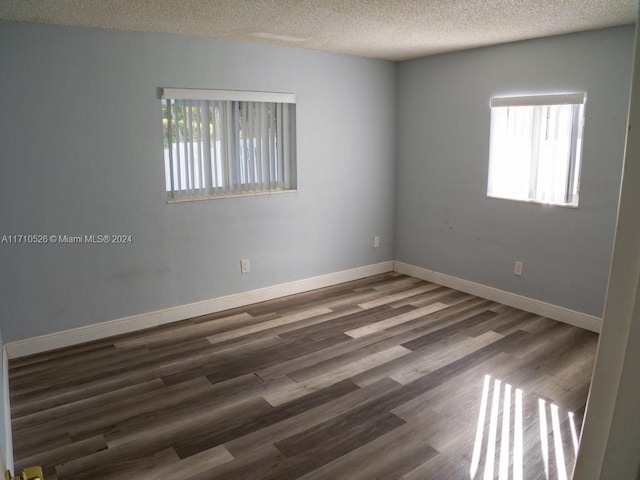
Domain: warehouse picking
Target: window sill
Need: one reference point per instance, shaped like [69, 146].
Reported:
[536, 202]
[233, 195]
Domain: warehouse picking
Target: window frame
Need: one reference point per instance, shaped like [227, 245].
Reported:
[230, 150]
[577, 100]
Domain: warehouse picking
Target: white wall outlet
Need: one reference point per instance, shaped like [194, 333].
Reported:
[245, 266]
[517, 269]
[376, 241]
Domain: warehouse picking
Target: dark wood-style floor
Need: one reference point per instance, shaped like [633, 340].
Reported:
[383, 378]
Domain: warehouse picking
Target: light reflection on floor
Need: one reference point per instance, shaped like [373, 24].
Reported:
[500, 438]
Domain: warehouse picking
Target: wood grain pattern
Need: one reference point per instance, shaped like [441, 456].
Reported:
[381, 378]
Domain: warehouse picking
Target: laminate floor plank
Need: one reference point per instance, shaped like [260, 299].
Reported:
[260, 455]
[22, 419]
[183, 426]
[419, 359]
[351, 361]
[144, 409]
[304, 386]
[223, 367]
[406, 330]
[386, 299]
[312, 450]
[433, 322]
[76, 393]
[277, 322]
[348, 321]
[392, 283]
[443, 357]
[335, 353]
[243, 445]
[450, 396]
[431, 296]
[381, 339]
[133, 359]
[386, 457]
[505, 323]
[459, 327]
[88, 423]
[380, 378]
[518, 321]
[146, 442]
[188, 332]
[87, 350]
[230, 428]
[137, 363]
[450, 297]
[290, 329]
[56, 455]
[439, 467]
[25, 366]
[335, 295]
[194, 465]
[436, 378]
[396, 320]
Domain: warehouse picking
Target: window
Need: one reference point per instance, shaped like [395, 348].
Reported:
[227, 143]
[536, 148]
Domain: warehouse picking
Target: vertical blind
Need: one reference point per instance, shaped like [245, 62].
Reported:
[536, 147]
[221, 143]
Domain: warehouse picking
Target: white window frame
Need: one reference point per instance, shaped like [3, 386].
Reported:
[527, 158]
[250, 148]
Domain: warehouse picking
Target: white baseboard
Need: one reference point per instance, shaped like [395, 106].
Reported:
[582, 320]
[109, 328]
[133, 323]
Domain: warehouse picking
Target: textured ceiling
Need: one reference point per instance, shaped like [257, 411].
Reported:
[387, 29]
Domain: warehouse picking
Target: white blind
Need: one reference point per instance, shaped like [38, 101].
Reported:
[535, 151]
[239, 95]
[535, 100]
[227, 147]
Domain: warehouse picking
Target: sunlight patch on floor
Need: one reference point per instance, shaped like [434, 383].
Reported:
[500, 435]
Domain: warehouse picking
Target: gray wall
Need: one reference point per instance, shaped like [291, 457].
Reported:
[82, 154]
[446, 223]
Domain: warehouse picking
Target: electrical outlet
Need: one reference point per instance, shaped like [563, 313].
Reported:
[245, 266]
[517, 269]
[376, 241]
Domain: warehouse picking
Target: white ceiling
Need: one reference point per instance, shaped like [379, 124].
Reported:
[386, 29]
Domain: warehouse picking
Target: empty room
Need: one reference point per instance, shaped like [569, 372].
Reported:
[284, 239]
